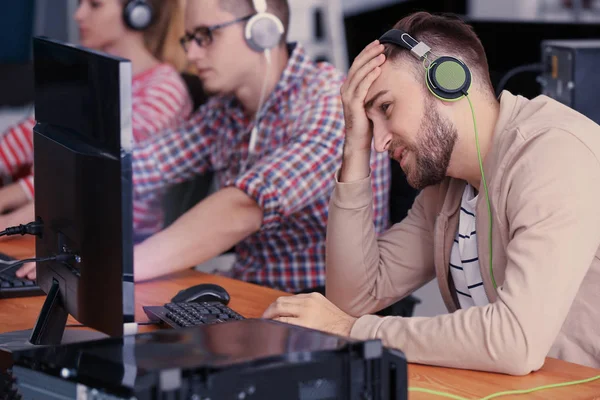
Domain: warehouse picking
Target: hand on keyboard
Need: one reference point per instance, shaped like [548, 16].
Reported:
[13, 286]
[27, 271]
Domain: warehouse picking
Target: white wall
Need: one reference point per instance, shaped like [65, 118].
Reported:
[332, 46]
[503, 9]
[10, 116]
[357, 6]
[431, 301]
[540, 10]
[53, 19]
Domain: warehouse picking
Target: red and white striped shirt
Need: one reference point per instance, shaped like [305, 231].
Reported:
[160, 100]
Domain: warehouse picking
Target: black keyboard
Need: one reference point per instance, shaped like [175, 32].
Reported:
[11, 286]
[185, 315]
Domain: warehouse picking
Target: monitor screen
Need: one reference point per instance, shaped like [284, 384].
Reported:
[83, 185]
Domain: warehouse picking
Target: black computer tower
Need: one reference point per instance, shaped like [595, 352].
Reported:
[251, 359]
[570, 74]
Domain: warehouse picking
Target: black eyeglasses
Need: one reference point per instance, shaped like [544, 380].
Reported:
[203, 35]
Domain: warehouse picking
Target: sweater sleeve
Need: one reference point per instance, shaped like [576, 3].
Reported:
[366, 273]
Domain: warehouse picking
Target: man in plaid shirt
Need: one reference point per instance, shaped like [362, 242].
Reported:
[274, 183]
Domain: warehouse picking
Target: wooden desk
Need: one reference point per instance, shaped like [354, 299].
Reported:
[251, 300]
[247, 299]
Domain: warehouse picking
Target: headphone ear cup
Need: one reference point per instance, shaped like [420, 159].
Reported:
[263, 31]
[448, 78]
[138, 14]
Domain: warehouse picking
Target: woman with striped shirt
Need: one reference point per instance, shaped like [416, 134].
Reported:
[159, 96]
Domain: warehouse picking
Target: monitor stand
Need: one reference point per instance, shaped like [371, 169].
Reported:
[49, 330]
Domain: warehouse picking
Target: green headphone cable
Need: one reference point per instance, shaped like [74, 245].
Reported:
[487, 195]
[506, 393]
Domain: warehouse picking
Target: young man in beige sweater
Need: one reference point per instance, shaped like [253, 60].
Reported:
[507, 218]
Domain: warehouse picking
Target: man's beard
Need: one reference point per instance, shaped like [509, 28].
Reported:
[432, 151]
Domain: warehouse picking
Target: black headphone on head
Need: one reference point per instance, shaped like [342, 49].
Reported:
[448, 78]
[264, 30]
[138, 14]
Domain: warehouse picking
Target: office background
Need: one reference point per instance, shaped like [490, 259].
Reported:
[333, 30]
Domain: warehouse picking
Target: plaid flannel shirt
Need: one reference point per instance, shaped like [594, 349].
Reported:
[290, 174]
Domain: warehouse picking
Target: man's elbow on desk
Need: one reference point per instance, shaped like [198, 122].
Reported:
[456, 341]
[524, 365]
[517, 356]
[517, 361]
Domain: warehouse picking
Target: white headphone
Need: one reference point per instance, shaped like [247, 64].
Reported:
[264, 30]
[138, 14]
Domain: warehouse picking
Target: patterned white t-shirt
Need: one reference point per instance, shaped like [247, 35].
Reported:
[464, 260]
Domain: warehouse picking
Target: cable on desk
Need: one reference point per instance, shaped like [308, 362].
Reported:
[506, 393]
[60, 258]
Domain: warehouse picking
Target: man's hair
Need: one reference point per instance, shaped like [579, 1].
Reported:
[241, 8]
[446, 35]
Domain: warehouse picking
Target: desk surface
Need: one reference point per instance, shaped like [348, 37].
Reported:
[251, 300]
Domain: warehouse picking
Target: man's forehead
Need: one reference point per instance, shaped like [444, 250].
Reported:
[393, 77]
[383, 81]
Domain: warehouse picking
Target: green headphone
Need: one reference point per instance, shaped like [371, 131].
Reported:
[448, 79]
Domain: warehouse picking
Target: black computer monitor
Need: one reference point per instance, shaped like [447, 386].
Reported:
[83, 189]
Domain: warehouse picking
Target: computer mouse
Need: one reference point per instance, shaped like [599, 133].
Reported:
[202, 292]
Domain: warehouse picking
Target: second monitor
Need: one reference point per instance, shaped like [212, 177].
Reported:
[83, 184]
[83, 194]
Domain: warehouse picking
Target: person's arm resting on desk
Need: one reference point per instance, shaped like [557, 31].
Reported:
[553, 239]
[208, 229]
[552, 243]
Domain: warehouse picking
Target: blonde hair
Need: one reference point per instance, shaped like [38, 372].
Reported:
[162, 37]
